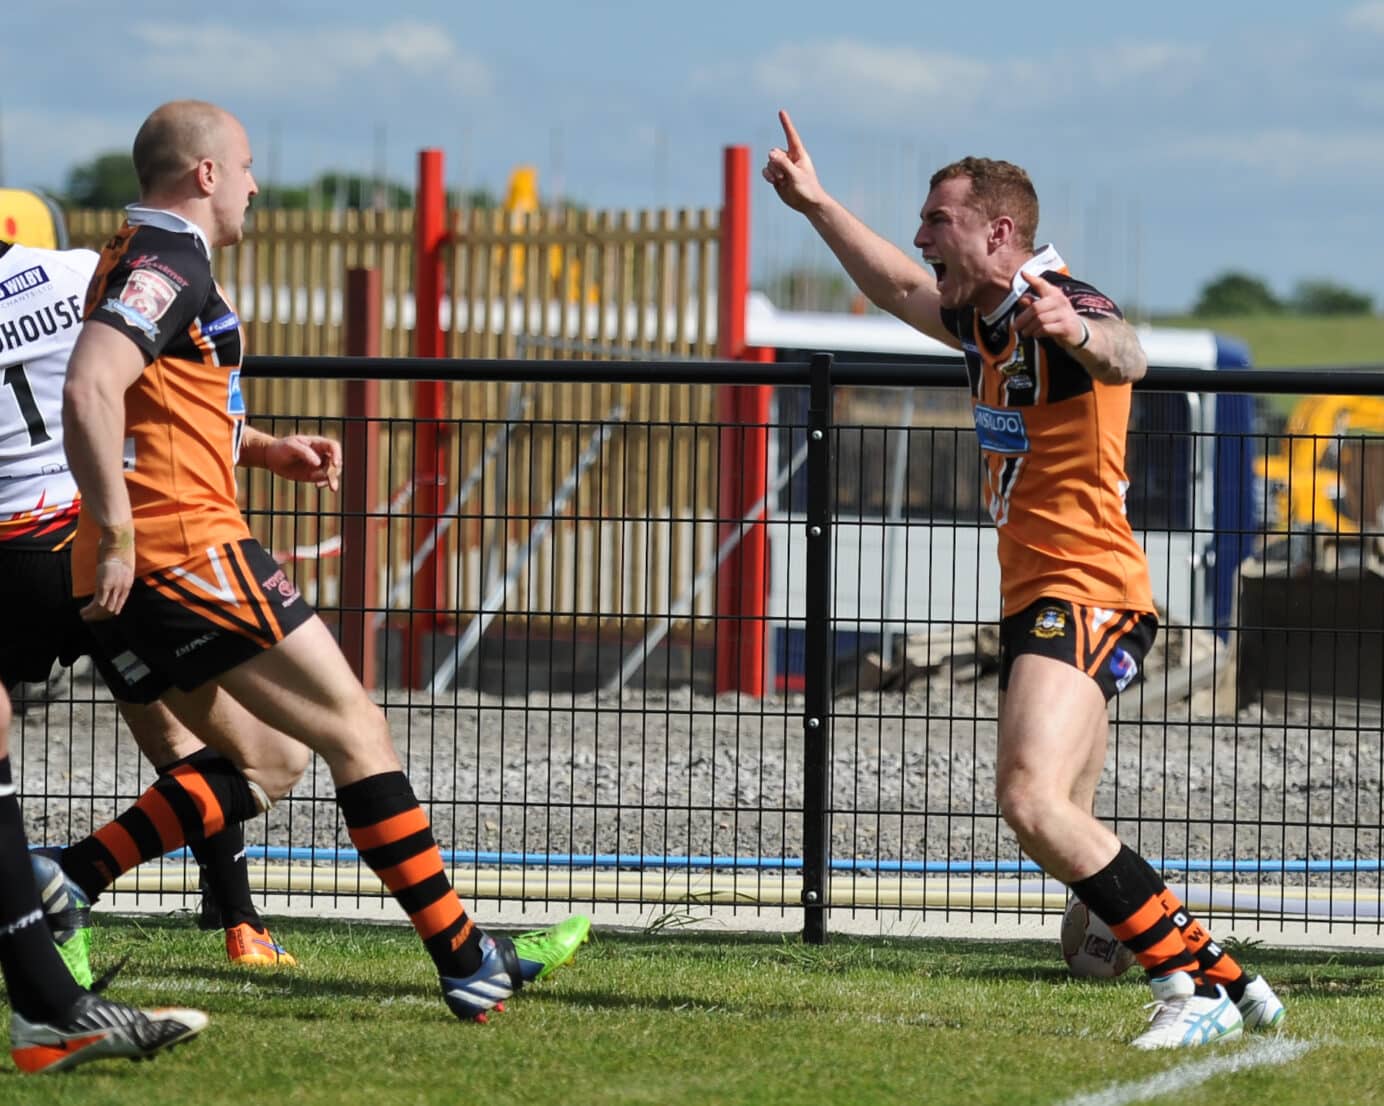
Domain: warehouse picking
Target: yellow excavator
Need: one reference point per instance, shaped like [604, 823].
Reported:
[564, 270]
[1328, 473]
[31, 219]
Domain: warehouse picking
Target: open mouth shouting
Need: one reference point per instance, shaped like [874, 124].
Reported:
[939, 269]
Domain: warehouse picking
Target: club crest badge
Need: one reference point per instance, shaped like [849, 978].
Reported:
[1051, 622]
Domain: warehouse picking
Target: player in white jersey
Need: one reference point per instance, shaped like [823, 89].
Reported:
[41, 297]
[41, 294]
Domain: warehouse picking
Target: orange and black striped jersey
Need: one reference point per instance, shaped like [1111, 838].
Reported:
[1052, 445]
[184, 415]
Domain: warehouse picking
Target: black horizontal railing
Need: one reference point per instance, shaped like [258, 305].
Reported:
[576, 740]
[928, 372]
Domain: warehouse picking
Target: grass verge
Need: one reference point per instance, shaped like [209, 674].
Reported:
[701, 1016]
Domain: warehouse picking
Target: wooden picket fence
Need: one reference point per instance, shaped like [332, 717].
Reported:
[589, 285]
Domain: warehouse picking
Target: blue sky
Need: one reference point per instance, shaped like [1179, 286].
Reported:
[1168, 142]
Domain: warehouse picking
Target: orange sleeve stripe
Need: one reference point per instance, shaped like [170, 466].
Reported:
[434, 918]
[118, 842]
[1141, 921]
[412, 871]
[390, 830]
[158, 811]
[197, 788]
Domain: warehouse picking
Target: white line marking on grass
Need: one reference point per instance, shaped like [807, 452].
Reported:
[1277, 1050]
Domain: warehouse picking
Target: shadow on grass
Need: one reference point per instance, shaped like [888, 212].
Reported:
[1335, 971]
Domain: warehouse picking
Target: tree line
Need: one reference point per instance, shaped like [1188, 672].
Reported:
[1236, 293]
[108, 181]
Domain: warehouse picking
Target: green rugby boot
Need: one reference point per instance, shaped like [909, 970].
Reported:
[68, 913]
[543, 951]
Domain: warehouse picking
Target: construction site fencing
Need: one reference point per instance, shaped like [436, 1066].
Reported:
[554, 698]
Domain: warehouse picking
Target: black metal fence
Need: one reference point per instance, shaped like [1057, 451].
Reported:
[549, 648]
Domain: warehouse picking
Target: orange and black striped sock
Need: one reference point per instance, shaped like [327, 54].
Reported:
[188, 802]
[1217, 965]
[221, 857]
[1121, 896]
[394, 837]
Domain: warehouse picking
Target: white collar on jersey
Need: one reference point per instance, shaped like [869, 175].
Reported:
[136, 215]
[1047, 259]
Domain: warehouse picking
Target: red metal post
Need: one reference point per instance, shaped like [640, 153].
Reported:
[742, 581]
[360, 480]
[431, 439]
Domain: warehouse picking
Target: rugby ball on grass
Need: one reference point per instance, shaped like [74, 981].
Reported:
[1088, 946]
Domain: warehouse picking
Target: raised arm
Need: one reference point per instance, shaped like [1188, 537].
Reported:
[891, 279]
[103, 365]
[1107, 347]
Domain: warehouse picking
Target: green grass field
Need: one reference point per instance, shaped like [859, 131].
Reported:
[1279, 341]
[707, 1017]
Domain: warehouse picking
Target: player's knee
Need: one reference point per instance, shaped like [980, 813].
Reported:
[5, 716]
[1025, 807]
[278, 774]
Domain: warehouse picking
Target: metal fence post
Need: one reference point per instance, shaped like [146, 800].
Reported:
[817, 720]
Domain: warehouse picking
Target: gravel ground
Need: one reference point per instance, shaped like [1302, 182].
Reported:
[912, 776]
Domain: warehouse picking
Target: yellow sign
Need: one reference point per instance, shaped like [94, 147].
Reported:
[31, 220]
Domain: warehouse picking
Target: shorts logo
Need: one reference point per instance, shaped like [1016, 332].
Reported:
[1001, 430]
[130, 667]
[1050, 623]
[196, 643]
[279, 584]
[1123, 667]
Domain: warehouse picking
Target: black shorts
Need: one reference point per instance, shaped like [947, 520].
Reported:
[1109, 646]
[186, 625]
[41, 623]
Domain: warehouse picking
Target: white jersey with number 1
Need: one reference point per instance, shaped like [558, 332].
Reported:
[41, 296]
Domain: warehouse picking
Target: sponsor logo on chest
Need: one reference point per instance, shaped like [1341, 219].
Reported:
[1001, 429]
[23, 282]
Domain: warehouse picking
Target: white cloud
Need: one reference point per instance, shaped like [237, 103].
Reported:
[1128, 62]
[1285, 153]
[853, 80]
[890, 71]
[1366, 17]
[314, 63]
[887, 85]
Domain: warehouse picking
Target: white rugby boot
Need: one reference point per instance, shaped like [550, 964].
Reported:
[1183, 1019]
[1259, 1007]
